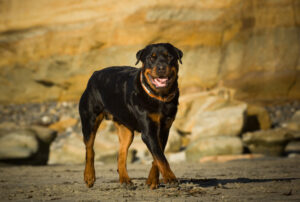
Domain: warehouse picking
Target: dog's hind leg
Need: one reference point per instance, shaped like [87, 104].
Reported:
[90, 122]
[125, 139]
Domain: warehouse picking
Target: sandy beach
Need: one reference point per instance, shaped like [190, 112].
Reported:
[267, 179]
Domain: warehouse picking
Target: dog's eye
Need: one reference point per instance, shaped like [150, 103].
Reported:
[170, 57]
[153, 57]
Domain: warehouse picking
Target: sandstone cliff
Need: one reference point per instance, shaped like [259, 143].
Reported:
[48, 49]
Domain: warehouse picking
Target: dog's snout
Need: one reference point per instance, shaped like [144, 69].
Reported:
[161, 69]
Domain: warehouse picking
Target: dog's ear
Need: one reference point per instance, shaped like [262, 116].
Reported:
[139, 55]
[179, 54]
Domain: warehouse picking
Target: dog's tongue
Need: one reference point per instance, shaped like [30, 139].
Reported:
[160, 82]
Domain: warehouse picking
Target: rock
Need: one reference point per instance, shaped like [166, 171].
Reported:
[292, 147]
[18, 144]
[227, 121]
[220, 145]
[192, 104]
[226, 158]
[177, 157]
[45, 134]
[294, 122]
[6, 127]
[70, 149]
[269, 142]
[174, 143]
[46, 120]
[67, 150]
[257, 118]
[25, 145]
[62, 125]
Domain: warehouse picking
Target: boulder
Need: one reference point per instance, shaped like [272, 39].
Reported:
[18, 144]
[67, 149]
[269, 142]
[194, 103]
[227, 121]
[292, 147]
[176, 157]
[174, 143]
[211, 146]
[25, 145]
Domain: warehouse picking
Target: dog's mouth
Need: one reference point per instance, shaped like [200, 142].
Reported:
[159, 82]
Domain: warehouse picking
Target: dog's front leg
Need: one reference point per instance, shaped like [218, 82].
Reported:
[154, 143]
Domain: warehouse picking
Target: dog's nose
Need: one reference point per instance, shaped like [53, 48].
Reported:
[161, 69]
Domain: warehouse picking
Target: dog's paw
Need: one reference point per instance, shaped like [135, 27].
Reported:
[125, 181]
[153, 183]
[171, 180]
[89, 178]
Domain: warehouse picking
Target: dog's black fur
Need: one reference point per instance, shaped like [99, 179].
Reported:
[136, 99]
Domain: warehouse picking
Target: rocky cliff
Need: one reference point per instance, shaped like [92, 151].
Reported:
[48, 49]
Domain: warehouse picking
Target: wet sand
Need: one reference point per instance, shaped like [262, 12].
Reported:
[268, 179]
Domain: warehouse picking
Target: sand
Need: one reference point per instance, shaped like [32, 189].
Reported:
[268, 179]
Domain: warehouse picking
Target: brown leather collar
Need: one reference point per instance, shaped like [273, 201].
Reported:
[167, 98]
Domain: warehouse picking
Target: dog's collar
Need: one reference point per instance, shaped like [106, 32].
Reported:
[167, 98]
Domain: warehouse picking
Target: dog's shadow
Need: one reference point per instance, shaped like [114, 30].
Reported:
[213, 182]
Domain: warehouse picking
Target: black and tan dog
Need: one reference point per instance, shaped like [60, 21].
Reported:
[136, 99]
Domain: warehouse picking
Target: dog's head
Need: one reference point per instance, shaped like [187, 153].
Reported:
[160, 65]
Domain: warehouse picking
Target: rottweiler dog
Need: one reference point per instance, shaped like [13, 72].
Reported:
[136, 99]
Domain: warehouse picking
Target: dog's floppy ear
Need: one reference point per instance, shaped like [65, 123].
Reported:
[139, 55]
[179, 54]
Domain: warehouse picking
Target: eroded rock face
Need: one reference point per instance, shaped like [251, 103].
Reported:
[48, 50]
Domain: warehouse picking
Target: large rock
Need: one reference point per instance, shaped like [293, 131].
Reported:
[69, 148]
[25, 145]
[175, 142]
[248, 44]
[193, 104]
[227, 121]
[292, 147]
[269, 142]
[18, 144]
[221, 145]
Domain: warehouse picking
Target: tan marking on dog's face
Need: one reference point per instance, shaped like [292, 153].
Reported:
[155, 117]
